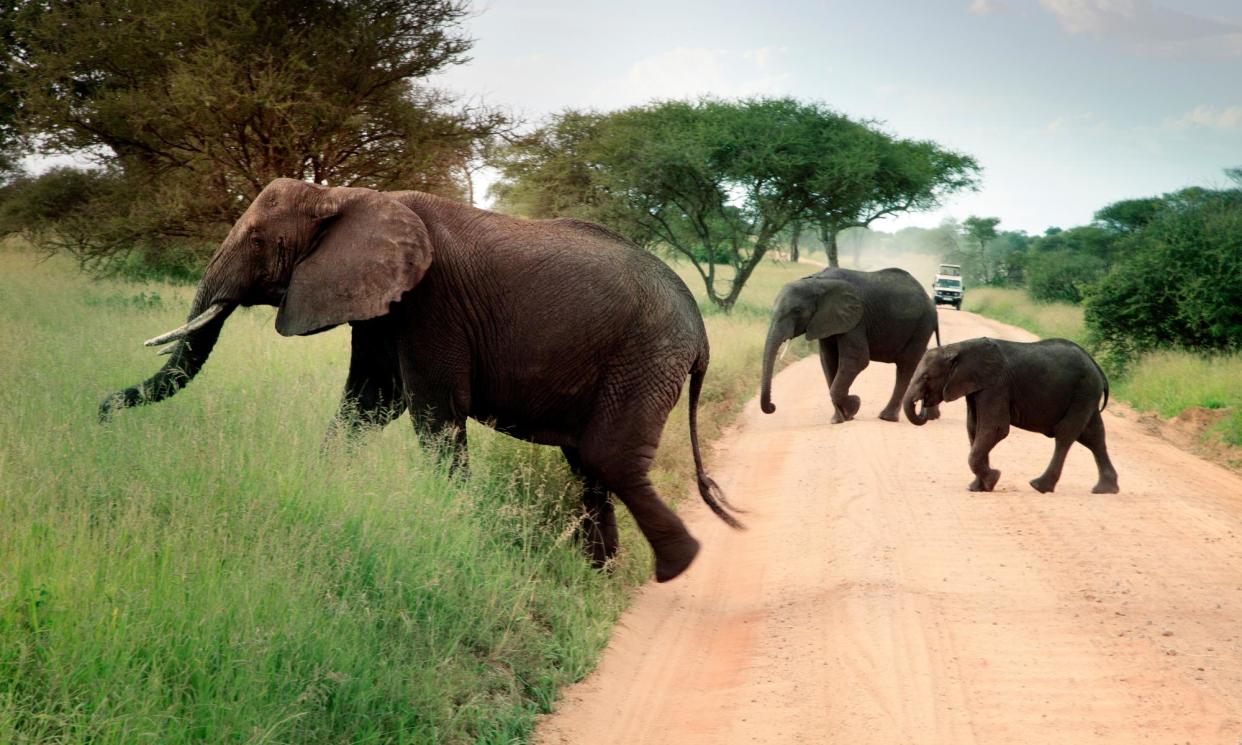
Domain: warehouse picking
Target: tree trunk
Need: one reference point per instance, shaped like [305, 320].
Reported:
[793, 242]
[830, 246]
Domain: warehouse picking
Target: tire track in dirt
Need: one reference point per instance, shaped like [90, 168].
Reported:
[875, 600]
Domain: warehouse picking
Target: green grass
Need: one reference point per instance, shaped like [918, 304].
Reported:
[197, 571]
[1016, 308]
[1167, 382]
[1170, 382]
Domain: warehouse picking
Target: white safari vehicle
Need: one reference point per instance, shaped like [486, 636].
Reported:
[947, 289]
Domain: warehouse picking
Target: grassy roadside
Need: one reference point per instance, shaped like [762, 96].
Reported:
[198, 571]
[1167, 382]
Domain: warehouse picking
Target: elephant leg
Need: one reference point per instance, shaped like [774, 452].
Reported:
[1066, 432]
[905, 371]
[984, 437]
[853, 356]
[598, 530]
[971, 422]
[373, 395]
[617, 451]
[1093, 438]
[828, 360]
[444, 434]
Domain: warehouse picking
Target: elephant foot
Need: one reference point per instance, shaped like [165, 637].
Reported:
[846, 410]
[1106, 487]
[889, 415]
[1043, 485]
[986, 482]
[673, 558]
[931, 412]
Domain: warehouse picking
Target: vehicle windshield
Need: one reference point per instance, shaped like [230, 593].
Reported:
[954, 283]
[949, 269]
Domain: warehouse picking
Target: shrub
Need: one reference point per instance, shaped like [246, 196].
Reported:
[1181, 283]
[108, 223]
[1062, 276]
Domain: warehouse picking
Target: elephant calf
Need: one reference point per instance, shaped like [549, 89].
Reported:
[1051, 386]
[856, 317]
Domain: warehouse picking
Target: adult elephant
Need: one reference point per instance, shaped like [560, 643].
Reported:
[558, 332]
[856, 317]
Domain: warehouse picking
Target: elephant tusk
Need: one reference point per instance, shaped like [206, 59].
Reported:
[780, 355]
[194, 324]
[167, 350]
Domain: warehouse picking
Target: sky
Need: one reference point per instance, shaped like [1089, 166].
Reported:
[1068, 105]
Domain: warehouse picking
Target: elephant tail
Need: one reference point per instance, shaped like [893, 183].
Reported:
[938, 330]
[1102, 377]
[711, 492]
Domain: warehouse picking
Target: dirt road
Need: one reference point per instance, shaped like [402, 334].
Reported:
[875, 600]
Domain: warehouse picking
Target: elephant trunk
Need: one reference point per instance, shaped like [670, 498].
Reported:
[770, 348]
[213, 302]
[915, 392]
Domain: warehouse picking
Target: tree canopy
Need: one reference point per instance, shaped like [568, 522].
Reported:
[197, 106]
[718, 181]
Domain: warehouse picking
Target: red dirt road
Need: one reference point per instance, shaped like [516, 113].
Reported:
[875, 600]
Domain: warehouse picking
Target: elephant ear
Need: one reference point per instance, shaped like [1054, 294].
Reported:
[978, 365]
[839, 310]
[370, 250]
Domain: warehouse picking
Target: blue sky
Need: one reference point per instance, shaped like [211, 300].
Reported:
[1067, 104]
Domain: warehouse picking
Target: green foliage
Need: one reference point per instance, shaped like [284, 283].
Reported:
[195, 107]
[9, 140]
[1061, 276]
[97, 217]
[1129, 215]
[1181, 281]
[875, 176]
[720, 182]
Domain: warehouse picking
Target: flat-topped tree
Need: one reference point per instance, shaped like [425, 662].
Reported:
[885, 176]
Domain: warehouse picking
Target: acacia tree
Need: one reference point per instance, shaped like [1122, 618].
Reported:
[8, 97]
[873, 176]
[719, 182]
[197, 106]
[713, 181]
[978, 231]
[716, 182]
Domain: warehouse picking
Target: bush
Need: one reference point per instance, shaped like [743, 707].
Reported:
[105, 221]
[1181, 283]
[1062, 276]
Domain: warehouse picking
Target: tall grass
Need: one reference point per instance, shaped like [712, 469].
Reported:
[1170, 382]
[199, 571]
[1167, 381]
[1017, 308]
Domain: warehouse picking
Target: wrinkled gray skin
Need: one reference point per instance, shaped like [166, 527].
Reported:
[1051, 386]
[556, 332]
[857, 317]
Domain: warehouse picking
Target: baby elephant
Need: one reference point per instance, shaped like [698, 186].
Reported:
[1051, 386]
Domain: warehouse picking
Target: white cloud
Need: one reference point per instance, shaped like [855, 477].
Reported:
[1074, 121]
[687, 72]
[1148, 27]
[987, 7]
[1209, 117]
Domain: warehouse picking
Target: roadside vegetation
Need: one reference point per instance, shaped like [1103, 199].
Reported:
[199, 571]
